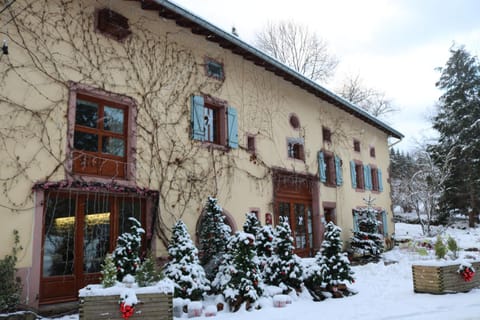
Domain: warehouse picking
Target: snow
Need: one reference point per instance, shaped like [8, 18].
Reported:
[385, 291]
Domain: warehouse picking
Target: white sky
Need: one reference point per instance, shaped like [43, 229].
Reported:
[394, 45]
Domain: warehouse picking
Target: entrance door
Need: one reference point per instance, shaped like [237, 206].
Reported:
[79, 230]
[299, 215]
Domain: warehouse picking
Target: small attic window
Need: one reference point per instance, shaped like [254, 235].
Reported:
[214, 69]
[113, 24]
[294, 121]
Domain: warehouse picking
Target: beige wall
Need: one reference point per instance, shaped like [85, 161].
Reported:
[161, 82]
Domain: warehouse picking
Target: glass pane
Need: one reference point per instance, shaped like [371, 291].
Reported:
[113, 146]
[128, 208]
[85, 141]
[113, 119]
[96, 238]
[210, 124]
[284, 210]
[300, 226]
[310, 226]
[86, 114]
[58, 245]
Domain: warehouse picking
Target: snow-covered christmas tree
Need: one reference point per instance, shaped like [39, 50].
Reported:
[109, 272]
[251, 225]
[284, 268]
[264, 241]
[214, 235]
[367, 243]
[238, 278]
[126, 253]
[147, 273]
[184, 266]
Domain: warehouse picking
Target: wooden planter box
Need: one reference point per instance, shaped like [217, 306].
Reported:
[150, 306]
[443, 279]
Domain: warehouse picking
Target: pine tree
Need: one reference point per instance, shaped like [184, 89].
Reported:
[457, 150]
[109, 272]
[214, 235]
[126, 253]
[147, 273]
[333, 262]
[184, 266]
[239, 278]
[284, 268]
[367, 243]
[251, 225]
[264, 241]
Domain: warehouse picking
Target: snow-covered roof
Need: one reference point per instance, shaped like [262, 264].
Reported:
[197, 25]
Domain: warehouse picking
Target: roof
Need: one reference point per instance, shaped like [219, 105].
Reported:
[197, 25]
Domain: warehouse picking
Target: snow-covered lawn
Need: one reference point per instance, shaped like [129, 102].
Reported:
[384, 291]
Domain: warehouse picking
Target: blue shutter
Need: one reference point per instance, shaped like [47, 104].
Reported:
[197, 121]
[366, 176]
[353, 174]
[338, 171]
[355, 221]
[385, 223]
[232, 127]
[380, 182]
[322, 167]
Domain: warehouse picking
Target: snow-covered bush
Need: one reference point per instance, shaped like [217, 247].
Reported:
[184, 267]
[440, 248]
[264, 242]
[109, 272]
[251, 225]
[214, 235]
[284, 268]
[10, 286]
[126, 253]
[147, 273]
[238, 278]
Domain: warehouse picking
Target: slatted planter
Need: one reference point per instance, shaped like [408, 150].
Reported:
[443, 279]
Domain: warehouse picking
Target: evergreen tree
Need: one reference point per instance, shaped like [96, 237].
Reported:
[333, 262]
[238, 278]
[265, 239]
[284, 267]
[126, 253]
[458, 149]
[184, 266]
[109, 272]
[214, 235]
[366, 242]
[147, 273]
[251, 225]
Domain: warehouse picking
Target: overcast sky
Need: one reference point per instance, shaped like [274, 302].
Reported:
[394, 45]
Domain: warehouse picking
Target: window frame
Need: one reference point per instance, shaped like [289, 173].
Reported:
[210, 61]
[251, 144]
[330, 170]
[372, 152]
[374, 174]
[296, 149]
[356, 145]
[326, 134]
[128, 161]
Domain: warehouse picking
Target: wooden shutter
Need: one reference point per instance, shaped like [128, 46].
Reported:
[353, 174]
[232, 127]
[367, 177]
[322, 167]
[338, 171]
[197, 119]
[380, 183]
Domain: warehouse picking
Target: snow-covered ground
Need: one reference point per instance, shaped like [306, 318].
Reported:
[384, 291]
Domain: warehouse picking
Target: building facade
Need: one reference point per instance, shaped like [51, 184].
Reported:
[112, 109]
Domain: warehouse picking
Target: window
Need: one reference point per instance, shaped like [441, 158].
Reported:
[372, 152]
[295, 148]
[214, 122]
[251, 145]
[374, 177]
[357, 175]
[327, 135]
[294, 121]
[103, 141]
[356, 145]
[113, 24]
[214, 69]
[330, 169]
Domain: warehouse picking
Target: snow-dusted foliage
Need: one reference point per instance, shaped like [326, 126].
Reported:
[239, 278]
[184, 266]
[366, 241]
[126, 253]
[284, 268]
[334, 264]
[251, 225]
[147, 273]
[109, 272]
[264, 241]
[214, 235]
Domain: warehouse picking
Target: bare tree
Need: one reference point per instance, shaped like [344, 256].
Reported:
[299, 48]
[371, 100]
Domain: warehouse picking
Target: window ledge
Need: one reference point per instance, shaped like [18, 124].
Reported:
[214, 146]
